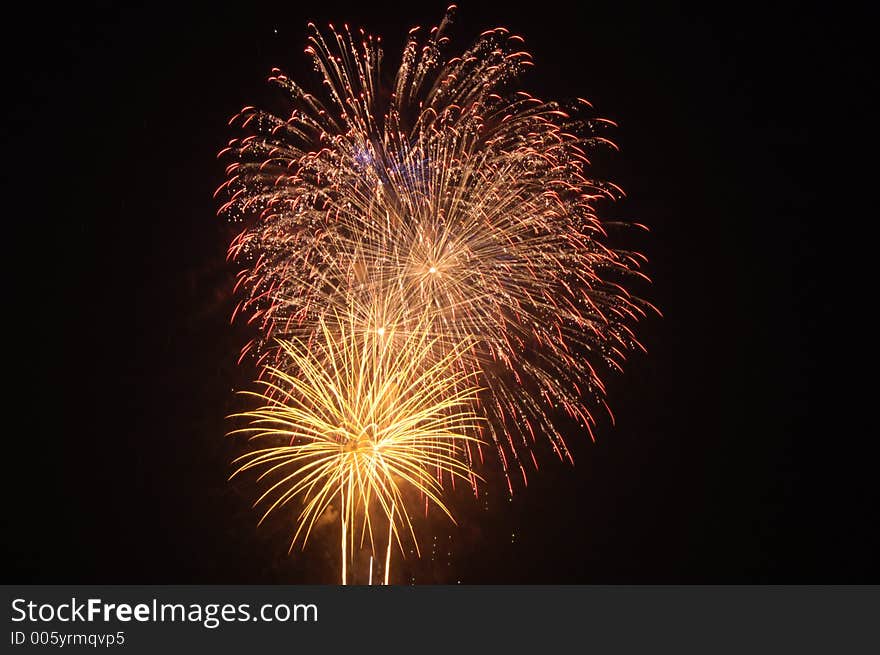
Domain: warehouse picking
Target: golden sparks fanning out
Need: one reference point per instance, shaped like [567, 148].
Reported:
[422, 256]
[454, 194]
[362, 420]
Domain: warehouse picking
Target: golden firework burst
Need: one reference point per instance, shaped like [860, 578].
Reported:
[361, 413]
[455, 193]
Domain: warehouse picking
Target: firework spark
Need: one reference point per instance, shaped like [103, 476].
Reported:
[454, 194]
[365, 415]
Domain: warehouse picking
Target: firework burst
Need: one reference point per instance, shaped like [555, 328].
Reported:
[365, 415]
[457, 195]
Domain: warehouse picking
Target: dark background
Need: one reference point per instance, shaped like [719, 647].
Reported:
[737, 456]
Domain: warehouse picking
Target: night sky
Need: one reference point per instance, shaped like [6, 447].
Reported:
[737, 456]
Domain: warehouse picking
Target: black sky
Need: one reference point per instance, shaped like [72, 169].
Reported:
[736, 456]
